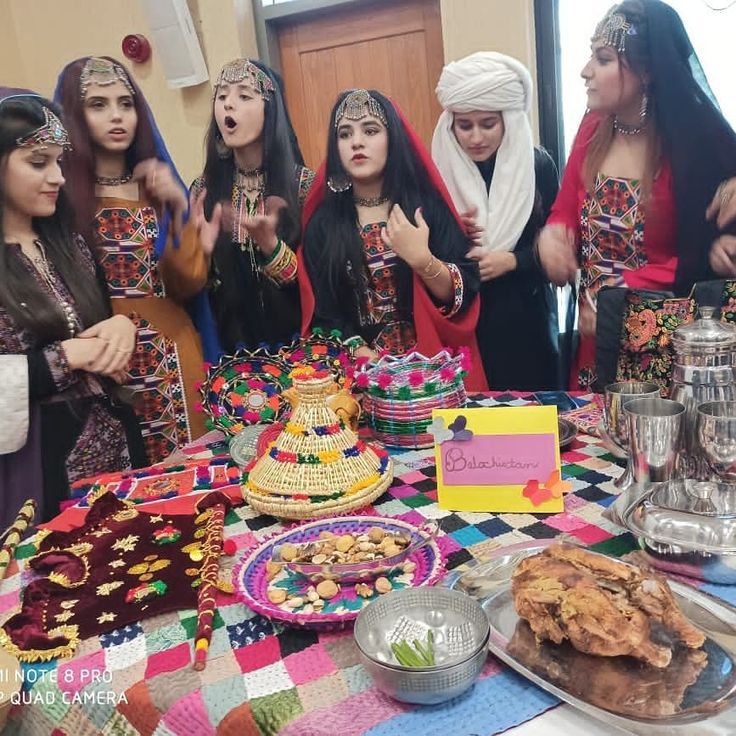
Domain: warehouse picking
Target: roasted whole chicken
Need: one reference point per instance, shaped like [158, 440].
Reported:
[602, 606]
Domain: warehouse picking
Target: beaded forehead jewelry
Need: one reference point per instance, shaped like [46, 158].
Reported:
[613, 31]
[357, 105]
[103, 72]
[244, 70]
[52, 132]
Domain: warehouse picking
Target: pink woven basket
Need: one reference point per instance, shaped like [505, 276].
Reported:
[402, 392]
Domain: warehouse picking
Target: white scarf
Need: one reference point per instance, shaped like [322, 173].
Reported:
[14, 403]
[490, 82]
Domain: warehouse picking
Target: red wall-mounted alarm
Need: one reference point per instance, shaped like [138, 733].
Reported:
[136, 48]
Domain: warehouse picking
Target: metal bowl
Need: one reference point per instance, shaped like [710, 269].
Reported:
[367, 569]
[687, 527]
[460, 630]
[567, 432]
[243, 446]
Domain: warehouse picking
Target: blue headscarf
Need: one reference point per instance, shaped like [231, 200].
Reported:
[199, 306]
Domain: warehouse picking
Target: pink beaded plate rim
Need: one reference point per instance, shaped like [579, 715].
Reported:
[252, 564]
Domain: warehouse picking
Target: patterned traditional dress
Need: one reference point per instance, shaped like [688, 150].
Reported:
[151, 291]
[611, 243]
[386, 318]
[77, 428]
[255, 300]
[622, 239]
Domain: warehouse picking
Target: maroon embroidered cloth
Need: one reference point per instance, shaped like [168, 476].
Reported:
[123, 565]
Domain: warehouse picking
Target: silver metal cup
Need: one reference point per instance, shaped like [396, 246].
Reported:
[655, 438]
[716, 433]
[617, 395]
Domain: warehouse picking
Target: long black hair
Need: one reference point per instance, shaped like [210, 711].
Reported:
[19, 115]
[282, 160]
[282, 164]
[695, 137]
[405, 182]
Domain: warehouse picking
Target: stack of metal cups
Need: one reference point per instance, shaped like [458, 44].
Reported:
[705, 356]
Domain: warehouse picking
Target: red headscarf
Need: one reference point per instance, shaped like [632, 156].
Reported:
[434, 332]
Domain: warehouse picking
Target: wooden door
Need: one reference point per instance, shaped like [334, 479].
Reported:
[393, 47]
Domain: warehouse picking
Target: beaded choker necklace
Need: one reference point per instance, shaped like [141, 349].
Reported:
[250, 178]
[626, 129]
[113, 181]
[370, 201]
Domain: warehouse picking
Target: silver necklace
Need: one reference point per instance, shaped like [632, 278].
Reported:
[113, 181]
[626, 129]
[370, 201]
[42, 265]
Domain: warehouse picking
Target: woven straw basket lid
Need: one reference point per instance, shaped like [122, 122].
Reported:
[316, 454]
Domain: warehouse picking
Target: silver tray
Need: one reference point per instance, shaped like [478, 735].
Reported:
[567, 432]
[606, 688]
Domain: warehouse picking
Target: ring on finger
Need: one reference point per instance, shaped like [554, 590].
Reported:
[724, 193]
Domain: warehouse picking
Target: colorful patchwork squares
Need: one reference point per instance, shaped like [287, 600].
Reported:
[263, 679]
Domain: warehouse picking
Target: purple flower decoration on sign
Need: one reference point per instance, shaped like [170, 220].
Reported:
[459, 431]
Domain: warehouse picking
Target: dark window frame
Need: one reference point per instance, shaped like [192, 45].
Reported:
[551, 125]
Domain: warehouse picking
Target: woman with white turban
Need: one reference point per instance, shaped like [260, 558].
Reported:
[504, 188]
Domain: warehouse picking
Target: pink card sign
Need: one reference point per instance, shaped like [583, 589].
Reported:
[506, 459]
[500, 459]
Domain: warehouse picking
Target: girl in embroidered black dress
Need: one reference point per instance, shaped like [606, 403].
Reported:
[384, 250]
[255, 168]
[60, 351]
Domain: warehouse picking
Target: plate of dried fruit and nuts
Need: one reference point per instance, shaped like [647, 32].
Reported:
[324, 572]
[357, 556]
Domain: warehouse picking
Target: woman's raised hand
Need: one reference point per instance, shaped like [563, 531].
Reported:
[409, 242]
[723, 205]
[207, 230]
[472, 229]
[158, 180]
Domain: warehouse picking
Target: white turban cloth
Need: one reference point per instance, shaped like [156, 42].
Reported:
[489, 82]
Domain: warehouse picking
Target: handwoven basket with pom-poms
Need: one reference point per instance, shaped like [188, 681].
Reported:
[317, 465]
[401, 392]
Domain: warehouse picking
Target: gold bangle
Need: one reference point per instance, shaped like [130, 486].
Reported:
[440, 268]
[426, 269]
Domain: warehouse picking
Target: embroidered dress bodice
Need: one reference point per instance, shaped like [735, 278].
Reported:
[612, 233]
[396, 335]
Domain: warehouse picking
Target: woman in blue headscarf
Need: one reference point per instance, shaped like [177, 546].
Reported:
[131, 203]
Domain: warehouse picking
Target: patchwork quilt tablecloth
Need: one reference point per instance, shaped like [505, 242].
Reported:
[262, 678]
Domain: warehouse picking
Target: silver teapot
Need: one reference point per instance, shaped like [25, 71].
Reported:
[704, 361]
